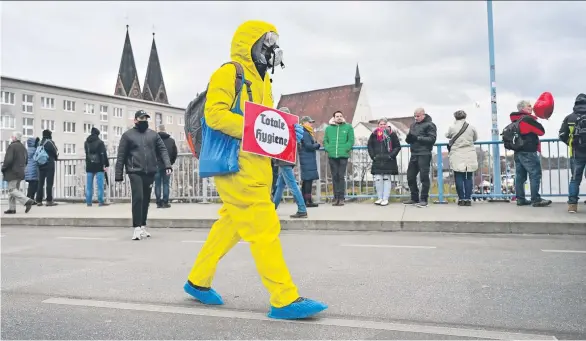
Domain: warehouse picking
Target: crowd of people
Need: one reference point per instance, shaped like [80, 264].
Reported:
[248, 205]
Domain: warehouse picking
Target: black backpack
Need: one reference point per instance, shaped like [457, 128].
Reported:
[93, 157]
[194, 113]
[511, 136]
[579, 134]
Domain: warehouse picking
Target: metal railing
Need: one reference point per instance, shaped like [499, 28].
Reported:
[187, 186]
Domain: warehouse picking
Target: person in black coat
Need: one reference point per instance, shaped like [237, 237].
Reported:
[383, 147]
[308, 148]
[47, 170]
[96, 164]
[162, 179]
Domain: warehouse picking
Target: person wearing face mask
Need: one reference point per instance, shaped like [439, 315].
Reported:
[139, 150]
[383, 147]
[247, 211]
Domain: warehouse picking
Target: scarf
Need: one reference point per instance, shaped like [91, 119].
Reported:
[309, 129]
[384, 136]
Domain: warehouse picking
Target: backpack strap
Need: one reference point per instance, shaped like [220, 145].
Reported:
[239, 81]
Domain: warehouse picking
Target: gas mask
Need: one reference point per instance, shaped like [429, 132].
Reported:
[266, 53]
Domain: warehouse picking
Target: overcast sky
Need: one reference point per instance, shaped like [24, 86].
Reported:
[411, 54]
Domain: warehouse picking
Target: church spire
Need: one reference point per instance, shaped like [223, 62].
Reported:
[127, 84]
[154, 86]
[357, 77]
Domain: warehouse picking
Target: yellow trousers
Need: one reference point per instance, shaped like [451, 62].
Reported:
[249, 214]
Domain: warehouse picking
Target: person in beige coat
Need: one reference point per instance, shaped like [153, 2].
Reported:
[463, 158]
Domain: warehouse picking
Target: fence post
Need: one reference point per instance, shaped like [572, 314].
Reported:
[318, 184]
[204, 190]
[440, 176]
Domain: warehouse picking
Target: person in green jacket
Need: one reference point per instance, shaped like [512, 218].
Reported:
[338, 142]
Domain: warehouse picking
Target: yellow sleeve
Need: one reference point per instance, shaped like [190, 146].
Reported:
[219, 99]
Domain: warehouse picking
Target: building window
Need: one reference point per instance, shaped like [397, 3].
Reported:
[28, 126]
[69, 148]
[7, 98]
[27, 103]
[169, 119]
[181, 136]
[104, 113]
[69, 127]
[104, 132]
[8, 122]
[158, 119]
[69, 105]
[48, 103]
[48, 125]
[90, 109]
[4, 146]
[118, 112]
[181, 121]
[70, 170]
[87, 128]
[118, 131]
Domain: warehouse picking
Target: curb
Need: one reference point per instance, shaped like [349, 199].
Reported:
[508, 227]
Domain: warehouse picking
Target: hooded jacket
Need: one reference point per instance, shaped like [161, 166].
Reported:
[50, 148]
[307, 150]
[95, 149]
[422, 136]
[530, 131]
[171, 149]
[31, 172]
[338, 140]
[566, 132]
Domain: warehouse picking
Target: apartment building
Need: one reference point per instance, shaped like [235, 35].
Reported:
[70, 114]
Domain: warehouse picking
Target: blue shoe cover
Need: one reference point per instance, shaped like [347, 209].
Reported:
[297, 310]
[209, 297]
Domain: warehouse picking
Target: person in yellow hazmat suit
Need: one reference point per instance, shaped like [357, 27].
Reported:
[247, 212]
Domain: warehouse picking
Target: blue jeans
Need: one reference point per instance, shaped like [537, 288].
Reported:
[527, 163]
[89, 188]
[162, 177]
[464, 185]
[577, 167]
[286, 177]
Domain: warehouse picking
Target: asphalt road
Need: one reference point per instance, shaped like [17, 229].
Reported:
[96, 283]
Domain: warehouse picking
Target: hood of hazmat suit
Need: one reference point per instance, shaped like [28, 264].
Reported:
[247, 212]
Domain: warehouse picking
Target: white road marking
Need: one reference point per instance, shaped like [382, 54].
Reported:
[87, 238]
[564, 251]
[412, 328]
[390, 246]
[203, 241]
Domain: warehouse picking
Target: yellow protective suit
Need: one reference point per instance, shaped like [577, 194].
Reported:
[247, 212]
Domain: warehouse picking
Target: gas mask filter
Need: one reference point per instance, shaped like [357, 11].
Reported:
[266, 51]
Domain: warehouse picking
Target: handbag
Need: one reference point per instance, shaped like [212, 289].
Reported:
[453, 139]
[219, 152]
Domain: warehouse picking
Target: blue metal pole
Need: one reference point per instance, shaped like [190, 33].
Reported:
[495, 130]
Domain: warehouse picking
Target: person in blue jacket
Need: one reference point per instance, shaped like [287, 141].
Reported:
[31, 173]
[308, 148]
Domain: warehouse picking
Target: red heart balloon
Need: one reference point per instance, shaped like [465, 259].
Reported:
[543, 107]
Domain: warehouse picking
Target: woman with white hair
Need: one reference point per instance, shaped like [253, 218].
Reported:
[15, 160]
[463, 158]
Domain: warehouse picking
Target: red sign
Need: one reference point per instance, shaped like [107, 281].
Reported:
[269, 132]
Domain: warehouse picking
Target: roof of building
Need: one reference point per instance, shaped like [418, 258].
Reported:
[154, 86]
[127, 83]
[322, 103]
[87, 92]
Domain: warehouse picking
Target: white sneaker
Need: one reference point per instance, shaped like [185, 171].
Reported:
[378, 201]
[144, 232]
[136, 235]
[384, 203]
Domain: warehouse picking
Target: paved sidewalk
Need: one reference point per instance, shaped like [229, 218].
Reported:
[482, 217]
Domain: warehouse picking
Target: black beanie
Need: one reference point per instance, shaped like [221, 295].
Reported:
[47, 133]
[95, 131]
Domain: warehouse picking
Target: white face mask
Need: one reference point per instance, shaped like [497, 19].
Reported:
[270, 44]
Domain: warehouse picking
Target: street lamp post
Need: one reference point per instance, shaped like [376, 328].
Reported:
[495, 131]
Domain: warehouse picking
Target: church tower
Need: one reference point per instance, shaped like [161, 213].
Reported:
[127, 84]
[154, 85]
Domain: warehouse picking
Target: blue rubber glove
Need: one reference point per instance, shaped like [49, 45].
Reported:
[298, 132]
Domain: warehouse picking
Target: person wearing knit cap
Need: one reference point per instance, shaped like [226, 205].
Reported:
[287, 178]
[47, 168]
[96, 164]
